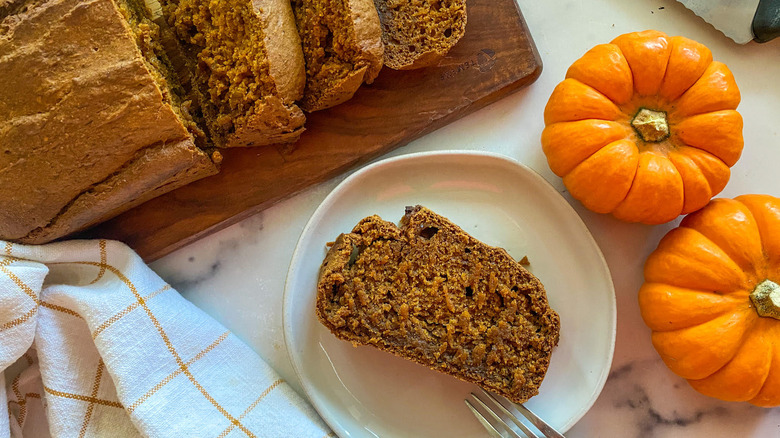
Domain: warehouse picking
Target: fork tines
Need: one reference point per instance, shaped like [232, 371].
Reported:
[499, 415]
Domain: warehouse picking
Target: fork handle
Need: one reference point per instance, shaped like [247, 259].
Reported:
[543, 427]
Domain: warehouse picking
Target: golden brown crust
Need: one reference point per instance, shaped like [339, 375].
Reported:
[426, 59]
[156, 170]
[368, 37]
[77, 109]
[273, 122]
[418, 34]
[339, 92]
[430, 293]
[283, 47]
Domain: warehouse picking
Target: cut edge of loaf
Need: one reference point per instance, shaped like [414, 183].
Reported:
[346, 250]
[247, 96]
[151, 39]
[406, 49]
[340, 55]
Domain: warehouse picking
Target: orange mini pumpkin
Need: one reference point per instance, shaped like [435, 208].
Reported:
[712, 299]
[644, 128]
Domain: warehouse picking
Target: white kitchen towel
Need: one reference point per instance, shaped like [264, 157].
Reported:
[94, 344]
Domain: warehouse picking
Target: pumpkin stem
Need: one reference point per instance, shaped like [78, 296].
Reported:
[651, 125]
[766, 299]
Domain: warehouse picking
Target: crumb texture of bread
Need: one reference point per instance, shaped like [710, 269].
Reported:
[81, 105]
[429, 292]
[342, 47]
[152, 41]
[247, 88]
[418, 33]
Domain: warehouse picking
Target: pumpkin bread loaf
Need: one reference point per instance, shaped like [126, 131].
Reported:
[428, 292]
[91, 120]
[247, 67]
[342, 48]
[419, 33]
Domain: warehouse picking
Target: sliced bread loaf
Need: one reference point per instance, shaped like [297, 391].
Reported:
[431, 293]
[91, 122]
[342, 48]
[247, 65]
[419, 33]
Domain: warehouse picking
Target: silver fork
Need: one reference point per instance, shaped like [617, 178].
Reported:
[499, 413]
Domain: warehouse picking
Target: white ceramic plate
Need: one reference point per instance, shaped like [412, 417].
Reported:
[364, 392]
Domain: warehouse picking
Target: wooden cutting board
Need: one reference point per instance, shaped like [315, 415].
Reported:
[495, 57]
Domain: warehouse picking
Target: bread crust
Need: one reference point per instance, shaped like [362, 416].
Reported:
[79, 111]
[156, 170]
[430, 293]
[368, 37]
[274, 122]
[283, 46]
[339, 93]
[425, 59]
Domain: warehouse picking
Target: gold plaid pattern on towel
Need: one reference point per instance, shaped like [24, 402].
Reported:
[88, 329]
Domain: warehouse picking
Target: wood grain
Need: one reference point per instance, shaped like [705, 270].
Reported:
[495, 57]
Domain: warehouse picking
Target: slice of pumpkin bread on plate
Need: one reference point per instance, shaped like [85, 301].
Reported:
[342, 47]
[418, 33]
[247, 67]
[92, 121]
[429, 292]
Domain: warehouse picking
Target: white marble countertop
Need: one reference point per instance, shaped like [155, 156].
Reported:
[238, 274]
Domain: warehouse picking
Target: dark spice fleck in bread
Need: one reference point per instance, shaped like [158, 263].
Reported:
[431, 293]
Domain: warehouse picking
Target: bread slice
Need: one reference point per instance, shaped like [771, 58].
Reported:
[247, 66]
[431, 293]
[89, 123]
[418, 33]
[342, 48]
